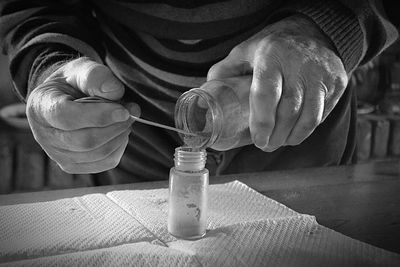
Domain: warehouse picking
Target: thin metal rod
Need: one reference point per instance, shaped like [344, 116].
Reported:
[152, 123]
[97, 99]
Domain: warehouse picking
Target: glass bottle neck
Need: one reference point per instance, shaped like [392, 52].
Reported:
[198, 112]
[190, 159]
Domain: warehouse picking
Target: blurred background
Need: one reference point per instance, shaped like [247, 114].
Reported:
[25, 167]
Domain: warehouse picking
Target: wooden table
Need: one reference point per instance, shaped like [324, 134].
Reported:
[361, 201]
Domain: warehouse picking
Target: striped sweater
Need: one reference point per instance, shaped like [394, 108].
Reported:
[159, 49]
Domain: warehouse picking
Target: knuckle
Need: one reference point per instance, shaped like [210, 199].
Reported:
[290, 105]
[290, 94]
[341, 81]
[260, 72]
[213, 70]
[264, 44]
[267, 45]
[289, 114]
[237, 51]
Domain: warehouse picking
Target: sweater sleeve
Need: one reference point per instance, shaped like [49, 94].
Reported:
[38, 36]
[359, 29]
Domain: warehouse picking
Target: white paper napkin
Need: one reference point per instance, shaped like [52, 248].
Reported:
[65, 226]
[128, 228]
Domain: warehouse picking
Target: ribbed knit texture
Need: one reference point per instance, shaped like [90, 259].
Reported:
[340, 25]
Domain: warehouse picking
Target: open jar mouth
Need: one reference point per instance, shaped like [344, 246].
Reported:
[190, 159]
[195, 112]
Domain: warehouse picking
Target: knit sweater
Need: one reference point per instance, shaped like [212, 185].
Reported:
[160, 49]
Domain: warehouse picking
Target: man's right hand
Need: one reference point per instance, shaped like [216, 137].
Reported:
[80, 137]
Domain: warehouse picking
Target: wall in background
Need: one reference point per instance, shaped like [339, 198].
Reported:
[7, 95]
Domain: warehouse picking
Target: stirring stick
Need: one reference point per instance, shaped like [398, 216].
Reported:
[97, 99]
[152, 123]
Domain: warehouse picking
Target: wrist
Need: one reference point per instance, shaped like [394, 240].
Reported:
[301, 26]
[47, 62]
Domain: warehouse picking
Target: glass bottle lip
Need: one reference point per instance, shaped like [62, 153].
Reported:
[190, 159]
[183, 104]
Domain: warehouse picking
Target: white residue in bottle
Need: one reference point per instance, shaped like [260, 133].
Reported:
[188, 194]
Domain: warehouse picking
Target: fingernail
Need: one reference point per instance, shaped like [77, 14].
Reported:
[260, 140]
[120, 115]
[134, 109]
[111, 85]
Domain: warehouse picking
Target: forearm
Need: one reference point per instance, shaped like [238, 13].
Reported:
[33, 67]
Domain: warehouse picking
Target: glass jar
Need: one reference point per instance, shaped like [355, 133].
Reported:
[188, 194]
[218, 112]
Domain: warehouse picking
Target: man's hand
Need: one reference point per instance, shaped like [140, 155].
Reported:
[297, 80]
[80, 137]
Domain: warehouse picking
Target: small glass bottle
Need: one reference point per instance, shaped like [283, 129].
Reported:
[218, 112]
[188, 194]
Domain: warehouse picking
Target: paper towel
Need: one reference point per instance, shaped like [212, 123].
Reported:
[128, 228]
[65, 226]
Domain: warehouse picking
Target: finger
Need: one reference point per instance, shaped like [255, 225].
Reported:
[133, 109]
[334, 93]
[51, 107]
[108, 163]
[86, 139]
[70, 115]
[100, 153]
[288, 112]
[231, 66]
[93, 79]
[265, 93]
[311, 113]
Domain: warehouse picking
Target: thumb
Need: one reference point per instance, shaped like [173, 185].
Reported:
[93, 79]
[133, 108]
[230, 66]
